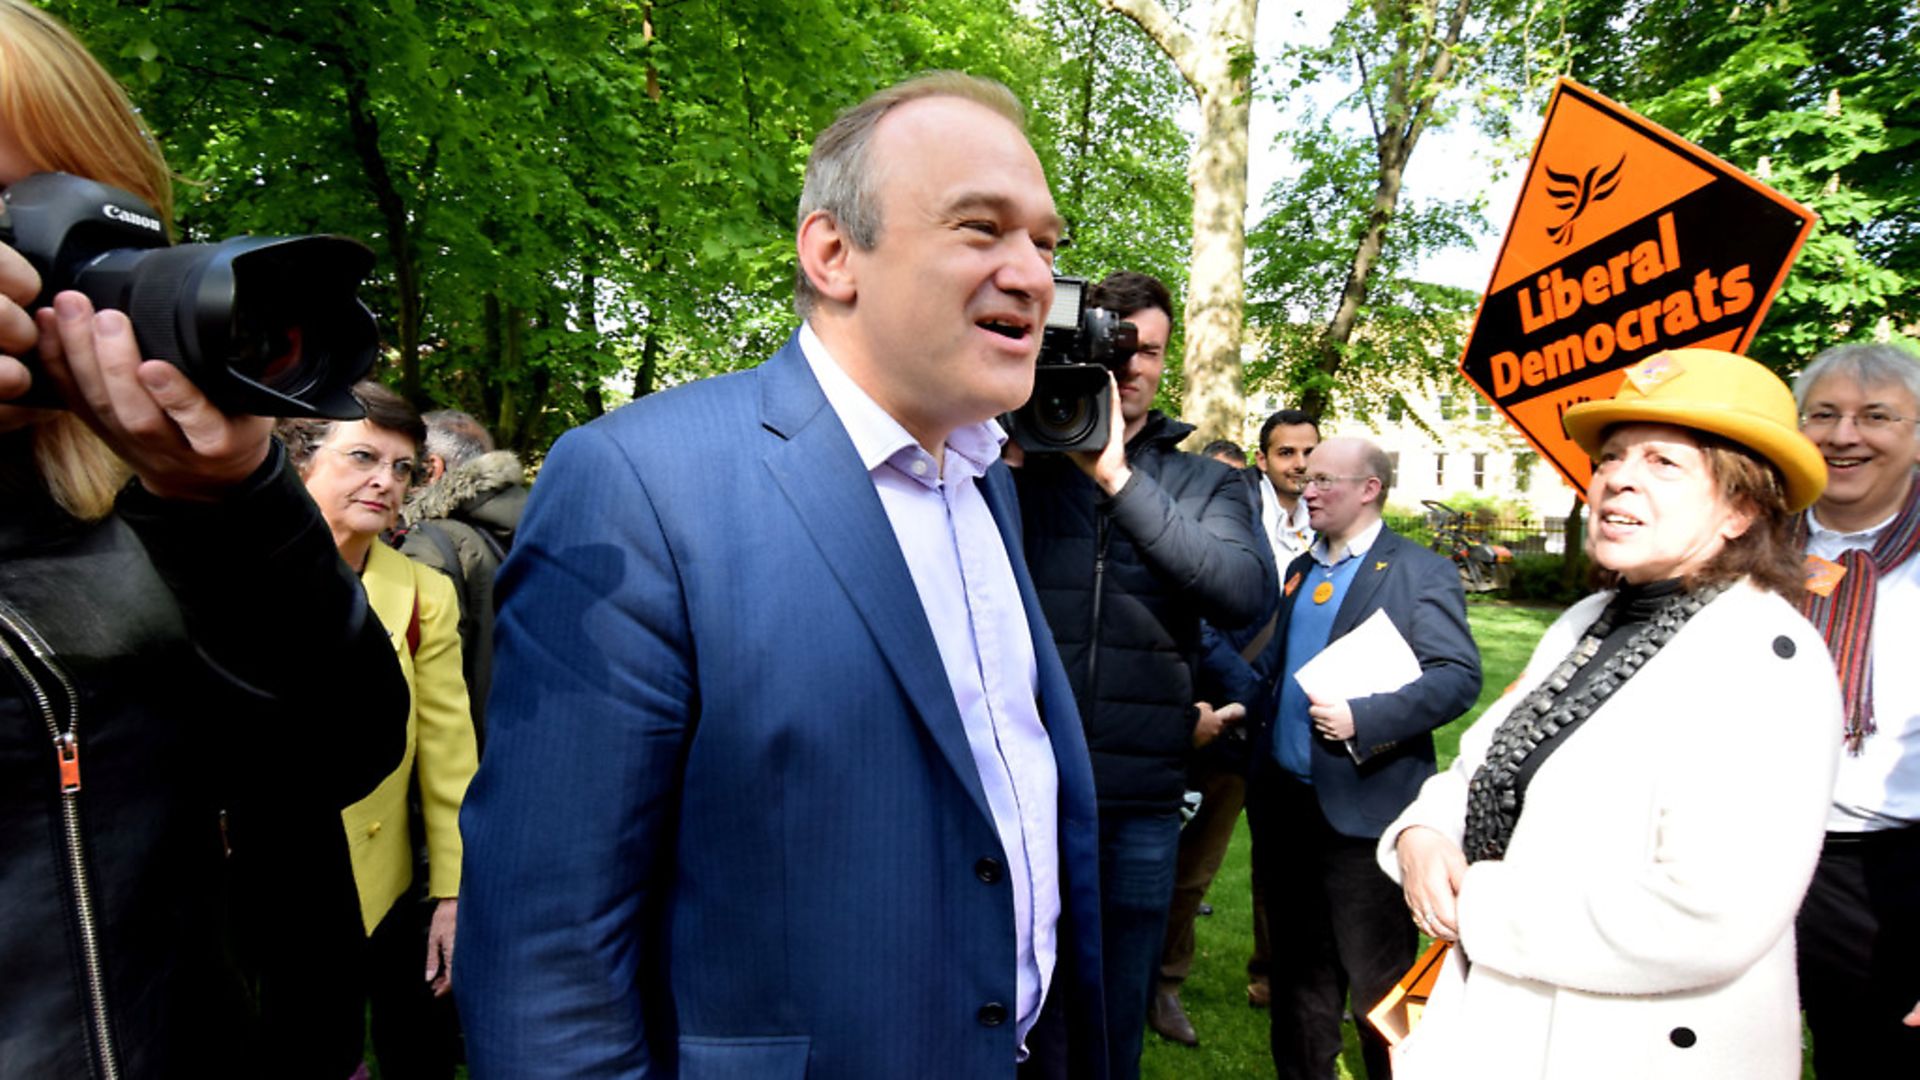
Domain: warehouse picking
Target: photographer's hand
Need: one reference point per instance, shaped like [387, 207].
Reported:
[19, 284]
[1211, 721]
[1108, 466]
[174, 439]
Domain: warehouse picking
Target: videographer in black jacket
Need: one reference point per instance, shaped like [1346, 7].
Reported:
[1130, 548]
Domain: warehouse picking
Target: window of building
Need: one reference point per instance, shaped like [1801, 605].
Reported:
[1396, 409]
[1479, 471]
[1440, 469]
[1447, 408]
[1482, 409]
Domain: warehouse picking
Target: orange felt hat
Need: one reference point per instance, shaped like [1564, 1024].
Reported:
[1713, 391]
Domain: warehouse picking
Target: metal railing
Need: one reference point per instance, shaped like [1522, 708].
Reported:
[1522, 536]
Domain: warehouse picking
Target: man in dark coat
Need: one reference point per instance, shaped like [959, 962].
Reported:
[1131, 547]
[1329, 775]
[462, 523]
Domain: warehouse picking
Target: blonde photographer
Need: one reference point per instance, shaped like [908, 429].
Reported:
[142, 705]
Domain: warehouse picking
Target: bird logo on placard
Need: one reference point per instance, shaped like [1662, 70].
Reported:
[1575, 193]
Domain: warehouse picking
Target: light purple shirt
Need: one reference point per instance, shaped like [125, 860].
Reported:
[972, 603]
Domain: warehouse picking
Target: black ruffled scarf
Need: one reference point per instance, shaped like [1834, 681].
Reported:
[1635, 625]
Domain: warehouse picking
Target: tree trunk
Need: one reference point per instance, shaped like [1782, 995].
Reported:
[492, 391]
[1573, 562]
[513, 337]
[1216, 282]
[649, 363]
[589, 304]
[1219, 69]
[402, 244]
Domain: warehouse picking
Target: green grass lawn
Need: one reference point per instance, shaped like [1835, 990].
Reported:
[1233, 1037]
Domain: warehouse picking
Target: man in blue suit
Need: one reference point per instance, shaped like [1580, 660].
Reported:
[1329, 775]
[784, 777]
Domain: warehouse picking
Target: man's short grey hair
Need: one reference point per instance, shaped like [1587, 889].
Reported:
[1867, 365]
[841, 181]
[1379, 466]
[456, 437]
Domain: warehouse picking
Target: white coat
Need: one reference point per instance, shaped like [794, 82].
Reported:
[1641, 924]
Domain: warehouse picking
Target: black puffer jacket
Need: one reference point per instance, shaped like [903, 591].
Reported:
[1124, 582]
[169, 655]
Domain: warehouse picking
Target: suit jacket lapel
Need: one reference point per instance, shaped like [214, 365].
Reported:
[815, 465]
[1367, 579]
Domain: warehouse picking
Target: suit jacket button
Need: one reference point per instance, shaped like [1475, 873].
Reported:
[993, 1014]
[373, 828]
[1783, 647]
[1682, 1037]
[987, 870]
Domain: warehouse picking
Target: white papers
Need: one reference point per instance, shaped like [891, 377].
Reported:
[1372, 658]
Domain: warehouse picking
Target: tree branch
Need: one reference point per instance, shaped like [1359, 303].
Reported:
[1437, 77]
[1166, 32]
[1373, 118]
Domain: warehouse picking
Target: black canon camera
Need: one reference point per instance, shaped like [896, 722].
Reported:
[267, 326]
[1072, 406]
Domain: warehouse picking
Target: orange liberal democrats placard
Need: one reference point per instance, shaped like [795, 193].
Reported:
[1627, 240]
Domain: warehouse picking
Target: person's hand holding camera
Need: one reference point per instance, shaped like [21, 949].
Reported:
[19, 284]
[161, 425]
[1107, 466]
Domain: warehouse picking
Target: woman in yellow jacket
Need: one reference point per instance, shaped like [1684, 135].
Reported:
[358, 473]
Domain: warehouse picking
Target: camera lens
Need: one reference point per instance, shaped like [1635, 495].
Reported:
[1068, 409]
[1061, 412]
[1065, 419]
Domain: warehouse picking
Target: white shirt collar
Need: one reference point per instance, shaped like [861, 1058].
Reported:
[1295, 519]
[1868, 534]
[1359, 545]
[879, 438]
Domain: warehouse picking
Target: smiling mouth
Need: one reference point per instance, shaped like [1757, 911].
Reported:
[1615, 518]
[1845, 462]
[1012, 331]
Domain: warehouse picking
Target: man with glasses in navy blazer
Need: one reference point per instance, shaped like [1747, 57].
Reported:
[1330, 775]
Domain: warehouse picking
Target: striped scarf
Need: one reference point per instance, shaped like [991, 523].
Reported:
[1845, 616]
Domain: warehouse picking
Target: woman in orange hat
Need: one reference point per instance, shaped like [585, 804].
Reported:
[1620, 847]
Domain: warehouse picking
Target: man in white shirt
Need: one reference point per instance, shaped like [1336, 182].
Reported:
[1287, 440]
[784, 775]
[1859, 928]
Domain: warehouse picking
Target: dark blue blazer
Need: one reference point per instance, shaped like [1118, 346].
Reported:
[1363, 791]
[729, 824]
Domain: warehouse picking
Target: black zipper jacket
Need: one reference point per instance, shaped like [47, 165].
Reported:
[1124, 582]
[172, 678]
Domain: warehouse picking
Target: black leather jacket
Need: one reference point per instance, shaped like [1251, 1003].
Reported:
[158, 699]
[1125, 581]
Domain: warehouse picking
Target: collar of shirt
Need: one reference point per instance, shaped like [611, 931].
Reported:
[1820, 536]
[1359, 545]
[879, 439]
[1295, 519]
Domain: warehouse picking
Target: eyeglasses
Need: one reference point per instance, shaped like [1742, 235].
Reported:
[363, 460]
[1323, 481]
[1865, 420]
